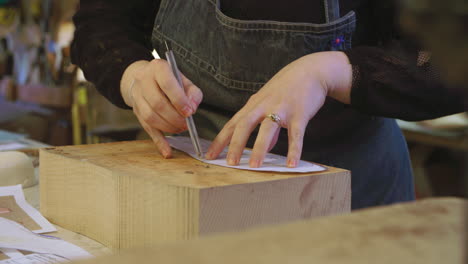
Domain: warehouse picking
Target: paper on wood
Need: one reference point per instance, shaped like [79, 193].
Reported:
[271, 162]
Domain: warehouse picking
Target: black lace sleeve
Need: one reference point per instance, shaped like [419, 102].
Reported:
[109, 36]
[393, 85]
[393, 77]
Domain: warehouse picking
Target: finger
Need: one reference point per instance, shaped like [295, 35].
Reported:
[266, 135]
[275, 140]
[296, 132]
[221, 141]
[154, 120]
[171, 88]
[194, 93]
[225, 135]
[158, 138]
[241, 134]
[159, 104]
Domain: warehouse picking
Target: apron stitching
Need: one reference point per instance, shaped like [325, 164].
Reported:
[220, 15]
[278, 23]
[327, 16]
[212, 2]
[162, 11]
[287, 30]
[221, 78]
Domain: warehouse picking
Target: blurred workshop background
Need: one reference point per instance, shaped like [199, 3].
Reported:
[45, 100]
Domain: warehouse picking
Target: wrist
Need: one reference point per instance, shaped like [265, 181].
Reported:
[128, 79]
[337, 74]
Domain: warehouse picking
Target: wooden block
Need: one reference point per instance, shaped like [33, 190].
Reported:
[126, 195]
[427, 232]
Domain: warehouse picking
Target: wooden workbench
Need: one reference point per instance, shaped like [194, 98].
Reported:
[428, 231]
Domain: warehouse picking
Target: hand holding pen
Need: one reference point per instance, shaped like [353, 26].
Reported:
[158, 101]
[189, 120]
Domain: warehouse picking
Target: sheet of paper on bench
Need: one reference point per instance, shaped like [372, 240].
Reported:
[15, 236]
[16, 191]
[272, 162]
[16, 257]
[12, 146]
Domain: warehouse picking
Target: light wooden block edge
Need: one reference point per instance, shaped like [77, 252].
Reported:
[184, 202]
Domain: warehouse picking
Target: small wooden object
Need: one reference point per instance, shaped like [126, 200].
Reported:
[16, 168]
[126, 195]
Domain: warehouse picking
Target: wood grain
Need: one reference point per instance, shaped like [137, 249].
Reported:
[126, 195]
[430, 232]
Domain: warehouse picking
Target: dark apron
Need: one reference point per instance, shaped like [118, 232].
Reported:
[231, 59]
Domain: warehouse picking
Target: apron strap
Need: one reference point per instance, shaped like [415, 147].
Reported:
[332, 10]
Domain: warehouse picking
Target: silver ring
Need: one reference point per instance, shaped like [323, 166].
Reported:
[274, 117]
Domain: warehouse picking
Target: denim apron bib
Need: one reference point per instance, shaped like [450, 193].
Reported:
[231, 59]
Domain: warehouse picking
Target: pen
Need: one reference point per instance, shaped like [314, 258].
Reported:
[190, 123]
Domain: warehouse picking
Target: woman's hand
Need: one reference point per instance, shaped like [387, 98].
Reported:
[158, 101]
[295, 94]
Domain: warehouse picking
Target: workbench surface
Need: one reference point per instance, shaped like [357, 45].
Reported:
[427, 231]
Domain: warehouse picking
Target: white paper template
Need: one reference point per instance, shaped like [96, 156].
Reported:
[17, 192]
[35, 258]
[11, 146]
[11, 253]
[15, 236]
[272, 162]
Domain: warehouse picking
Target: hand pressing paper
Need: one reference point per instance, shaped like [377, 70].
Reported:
[272, 162]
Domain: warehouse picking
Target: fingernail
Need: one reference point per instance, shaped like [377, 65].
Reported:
[187, 110]
[292, 163]
[254, 163]
[209, 155]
